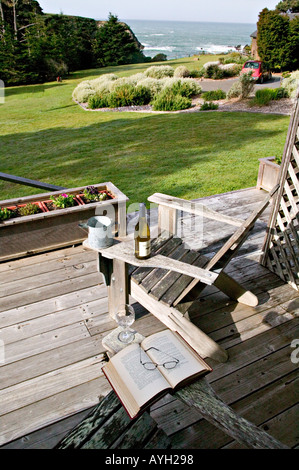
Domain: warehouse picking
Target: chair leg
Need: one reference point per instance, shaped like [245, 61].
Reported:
[174, 320]
[235, 291]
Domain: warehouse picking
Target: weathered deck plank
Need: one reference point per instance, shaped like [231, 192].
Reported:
[53, 331]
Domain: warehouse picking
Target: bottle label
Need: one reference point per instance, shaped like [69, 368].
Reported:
[144, 248]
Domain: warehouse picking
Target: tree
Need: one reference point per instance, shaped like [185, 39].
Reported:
[114, 45]
[276, 33]
[288, 6]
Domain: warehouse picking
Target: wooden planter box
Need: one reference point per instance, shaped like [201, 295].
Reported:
[22, 236]
[268, 173]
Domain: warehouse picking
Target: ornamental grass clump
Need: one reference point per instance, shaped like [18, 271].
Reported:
[209, 106]
[291, 83]
[184, 86]
[98, 101]
[129, 95]
[214, 95]
[243, 87]
[154, 85]
[182, 72]
[83, 92]
[168, 100]
[265, 95]
[159, 71]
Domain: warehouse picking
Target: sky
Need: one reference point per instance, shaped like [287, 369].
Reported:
[227, 11]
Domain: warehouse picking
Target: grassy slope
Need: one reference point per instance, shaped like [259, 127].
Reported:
[47, 137]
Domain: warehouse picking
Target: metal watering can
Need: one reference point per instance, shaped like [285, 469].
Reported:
[99, 231]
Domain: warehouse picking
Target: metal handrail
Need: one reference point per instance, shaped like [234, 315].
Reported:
[29, 182]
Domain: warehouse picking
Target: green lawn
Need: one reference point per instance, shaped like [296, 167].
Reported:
[45, 136]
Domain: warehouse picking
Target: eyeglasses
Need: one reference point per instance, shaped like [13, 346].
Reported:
[170, 364]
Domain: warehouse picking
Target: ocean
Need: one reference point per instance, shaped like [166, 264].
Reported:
[179, 39]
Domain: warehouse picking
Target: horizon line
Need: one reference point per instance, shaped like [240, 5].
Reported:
[151, 19]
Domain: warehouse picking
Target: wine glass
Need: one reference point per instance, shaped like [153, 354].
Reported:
[125, 317]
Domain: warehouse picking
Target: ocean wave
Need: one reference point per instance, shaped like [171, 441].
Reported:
[157, 34]
[216, 48]
[157, 48]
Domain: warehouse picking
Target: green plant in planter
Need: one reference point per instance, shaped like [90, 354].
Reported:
[63, 200]
[29, 209]
[5, 214]
[92, 194]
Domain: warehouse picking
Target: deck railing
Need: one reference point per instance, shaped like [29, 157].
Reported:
[29, 182]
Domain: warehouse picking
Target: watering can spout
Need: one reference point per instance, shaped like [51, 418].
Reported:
[83, 226]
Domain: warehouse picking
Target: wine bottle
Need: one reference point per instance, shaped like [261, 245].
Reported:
[142, 236]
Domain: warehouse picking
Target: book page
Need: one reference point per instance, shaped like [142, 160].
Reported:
[167, 346]
[141, 383]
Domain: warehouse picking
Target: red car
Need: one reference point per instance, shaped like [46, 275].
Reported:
[259, 71]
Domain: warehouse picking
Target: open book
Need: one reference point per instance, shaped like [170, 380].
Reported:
[137, 380]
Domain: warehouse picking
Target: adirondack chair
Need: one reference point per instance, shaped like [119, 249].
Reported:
[169, 281]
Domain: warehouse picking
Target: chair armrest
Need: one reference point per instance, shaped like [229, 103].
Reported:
[193, 207]
[124, 251]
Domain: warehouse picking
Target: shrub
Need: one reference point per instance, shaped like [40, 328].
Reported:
[106, 77]
[197, 73]
[134, 79]
[247, 84]
[214, 71]
[230, 70]
[103, 83]
[243, 87]
[182, 72]
[235, 91]
[185, 86]
[153, 84]
[214, 95]
[98, 101]
[208, 64]
[291, 83]
[262, 97]
[207, 106]
[159, 58]
[83, 91]
[167, 100]
[159, 71]
[128, 95]
[265, 95]
[279, 93]
[233, 57]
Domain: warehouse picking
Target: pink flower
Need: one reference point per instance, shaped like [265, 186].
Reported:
[64, 195]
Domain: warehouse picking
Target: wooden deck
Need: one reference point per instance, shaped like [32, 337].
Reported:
[53, 316]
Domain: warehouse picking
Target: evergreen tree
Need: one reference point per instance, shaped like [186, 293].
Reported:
[291, 6]
[114, 45]
[35, 47]
[278, 40]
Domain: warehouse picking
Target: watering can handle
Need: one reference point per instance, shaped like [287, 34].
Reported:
[84, 226]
